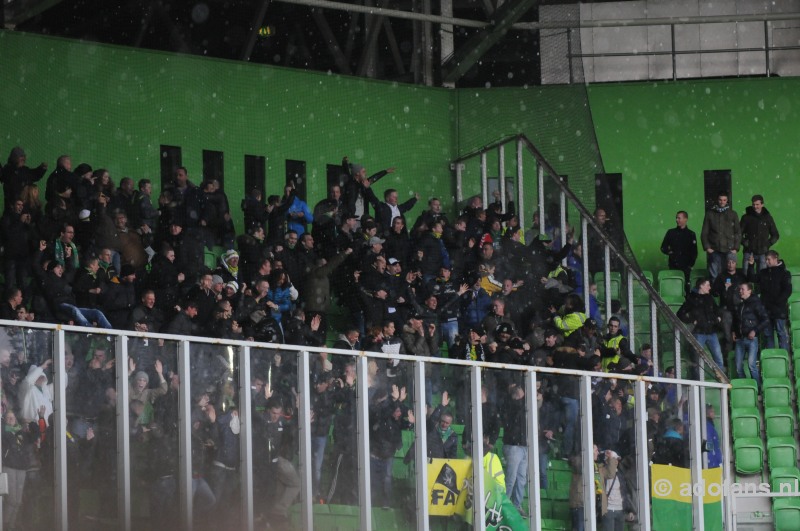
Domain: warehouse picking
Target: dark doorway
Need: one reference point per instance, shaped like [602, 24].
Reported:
[255, 175]
[335, 175]
[715, 182]
[171, 160]
[608, 196]
[296, 173]
[213, 167]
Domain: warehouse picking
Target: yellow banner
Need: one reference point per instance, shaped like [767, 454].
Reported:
[448, 480]
[674, 483]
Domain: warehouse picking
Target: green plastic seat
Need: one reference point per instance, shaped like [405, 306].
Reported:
[786, 513]
[777, 392]
[781, 452]
[694, 274]
[774, 363]
[640, 295]
[780, 422]
[209, 259]
[616, 286]
[787, 479]
[746, 423]
[671, 284]
[744, 393]
[748, 455]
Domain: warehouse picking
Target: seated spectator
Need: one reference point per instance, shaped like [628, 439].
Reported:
[60, 297]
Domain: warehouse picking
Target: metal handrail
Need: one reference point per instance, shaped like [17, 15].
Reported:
[632, 267]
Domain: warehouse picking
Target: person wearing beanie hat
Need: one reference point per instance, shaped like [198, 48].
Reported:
[138, 386]
[355, 186]
[228, 266]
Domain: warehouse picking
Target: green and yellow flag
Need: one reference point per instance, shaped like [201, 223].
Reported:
[672, 491]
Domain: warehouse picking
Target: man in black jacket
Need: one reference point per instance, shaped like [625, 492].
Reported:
[701, 311]
[775, 287]
[751, 319]
[680, 246]
[389, 208]
[759, 233]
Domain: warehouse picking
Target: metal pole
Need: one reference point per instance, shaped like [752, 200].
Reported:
[766, 47]
[642, 454]
[562, 205]
[607, 279]
[587, 454]
[246, 439]
[304, 423]
[484, 181]
[123, 435]
[654, 336]
[427, 46]
[362, 406]
[631, 317]
[185, 435]
[586, 279]
[695, 420]
[569, 55]
[678, 363]
[446, 39]
[520, 189]
[478, 502]
[727, 474]
[674, 56]
[459, 182]
[501, 174]
[420, 445]
[540, 182]
[60, 431]
[532, 405]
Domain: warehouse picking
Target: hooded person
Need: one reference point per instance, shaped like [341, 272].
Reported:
[228, 266]
[35, 395]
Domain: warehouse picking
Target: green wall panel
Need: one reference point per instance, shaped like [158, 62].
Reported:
[113, 107]
[662, 136]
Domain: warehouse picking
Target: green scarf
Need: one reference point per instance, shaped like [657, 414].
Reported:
[444, 434]
[16, 428]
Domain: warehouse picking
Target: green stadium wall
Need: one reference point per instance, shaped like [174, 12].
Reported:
[114, 107]
[662, 136]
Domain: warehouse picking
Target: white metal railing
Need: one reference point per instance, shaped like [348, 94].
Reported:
[187, 352]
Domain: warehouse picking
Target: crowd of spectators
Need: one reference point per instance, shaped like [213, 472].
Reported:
[478, 287]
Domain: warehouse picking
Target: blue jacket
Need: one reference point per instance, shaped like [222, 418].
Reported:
[283, 298]
[299, 224]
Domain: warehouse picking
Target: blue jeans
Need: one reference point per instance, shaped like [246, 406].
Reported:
[516, 472]
[761, 262]
[543, 461]
[381, 478]
[751, 345]
[449, 331]
[716, 263]
[318, 444]
[577, 519]
[712, 342]
[777, 325]
[85, 316]
[571, 406]
[614, 521]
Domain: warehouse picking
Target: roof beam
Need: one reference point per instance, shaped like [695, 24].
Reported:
[471, 51]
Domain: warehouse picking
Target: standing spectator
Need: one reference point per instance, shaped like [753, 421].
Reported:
[515, 445]
[316, 295]
[143, 211]
[702, 311]
[775, 287]
[386, 424]
[16, 175]
[388, 209]
[750, 320]
[759, 233]
[255, 212]
[680, 246]
[298, 214]
[17, 233]
[355, 184]
[726, 288]
[721, 234]
[20, 443]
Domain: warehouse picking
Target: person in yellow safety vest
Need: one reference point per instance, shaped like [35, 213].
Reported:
[615, 346]
[570, 318]
[492, 464]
